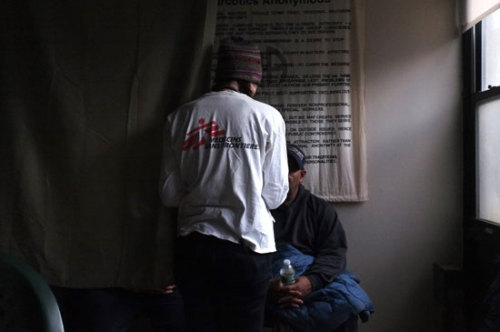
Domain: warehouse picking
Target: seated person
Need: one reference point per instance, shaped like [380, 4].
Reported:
[311, 226]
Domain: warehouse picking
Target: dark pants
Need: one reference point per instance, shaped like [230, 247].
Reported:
[224, 285]
[350, 325]
[116, 309]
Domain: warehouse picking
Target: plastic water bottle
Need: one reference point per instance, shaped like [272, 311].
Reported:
[287, 273]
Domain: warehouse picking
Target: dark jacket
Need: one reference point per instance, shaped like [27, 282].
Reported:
[311, 225]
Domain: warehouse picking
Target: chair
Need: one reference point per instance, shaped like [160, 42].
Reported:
[26, 301]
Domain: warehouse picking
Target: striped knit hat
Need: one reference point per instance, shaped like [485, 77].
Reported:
[238, 60]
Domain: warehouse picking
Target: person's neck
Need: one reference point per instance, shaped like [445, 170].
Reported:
[230, 86]
[291, 197]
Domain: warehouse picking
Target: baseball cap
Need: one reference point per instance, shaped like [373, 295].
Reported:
[297, 154]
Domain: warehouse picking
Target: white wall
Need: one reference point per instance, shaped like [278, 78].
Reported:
[414, 145]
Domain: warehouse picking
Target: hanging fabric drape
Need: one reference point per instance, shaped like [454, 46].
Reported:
[473, 11]
[85, 87]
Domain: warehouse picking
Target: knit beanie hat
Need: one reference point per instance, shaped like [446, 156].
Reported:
[238, 60]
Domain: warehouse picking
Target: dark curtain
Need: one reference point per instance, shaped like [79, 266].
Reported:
[84, 90]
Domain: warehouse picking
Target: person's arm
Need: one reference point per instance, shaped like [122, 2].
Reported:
[275, 167]
[171, 185]
[330, 251]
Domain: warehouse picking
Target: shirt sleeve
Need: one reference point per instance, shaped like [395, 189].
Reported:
[171, 184]
[275, 167]
[330, 251]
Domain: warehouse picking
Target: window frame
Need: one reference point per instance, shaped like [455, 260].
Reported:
[480, 237]
[473, 95]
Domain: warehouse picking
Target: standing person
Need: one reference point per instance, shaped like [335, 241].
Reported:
[224, 168]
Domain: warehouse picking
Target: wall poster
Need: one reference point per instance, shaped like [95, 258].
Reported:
[313, 75]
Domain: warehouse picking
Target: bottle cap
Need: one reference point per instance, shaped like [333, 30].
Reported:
[286, 261]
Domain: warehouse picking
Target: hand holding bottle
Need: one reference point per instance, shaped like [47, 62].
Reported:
[290, 291]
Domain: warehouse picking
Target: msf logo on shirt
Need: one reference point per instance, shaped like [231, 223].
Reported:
[209, 129]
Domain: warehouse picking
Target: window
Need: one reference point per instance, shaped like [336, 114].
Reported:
[482, 170]
[488, 159]
[490, 46]
[482, 120]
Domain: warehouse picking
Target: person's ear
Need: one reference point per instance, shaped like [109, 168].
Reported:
[253, 89]
[302, 174]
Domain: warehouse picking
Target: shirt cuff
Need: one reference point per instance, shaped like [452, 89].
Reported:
[316, 282]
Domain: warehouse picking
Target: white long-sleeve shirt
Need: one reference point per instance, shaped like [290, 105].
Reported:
[224, 167]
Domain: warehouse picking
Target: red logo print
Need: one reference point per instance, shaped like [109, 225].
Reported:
[211, 129]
